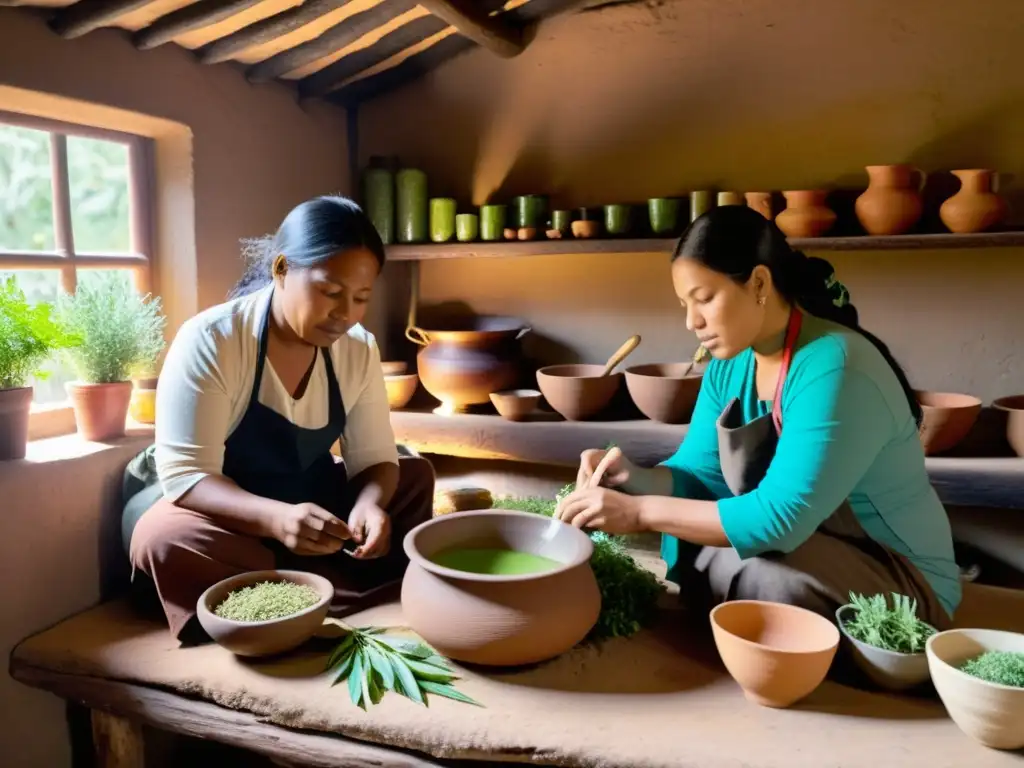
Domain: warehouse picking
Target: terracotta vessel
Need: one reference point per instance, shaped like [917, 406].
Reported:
[101, 410]
[976, 206]
[495, 619]
[463, 361]
[14, 410]
[989, 713]
[578, 392]
[263, 638]
[777, 653]
[586, 229]
[891, 204]
[664, 392]
[394, 368]
[400, 389]
[948, 418]
[806, 214]
[1014, 409]
[889, 669]
[515, 404]
[760, 202]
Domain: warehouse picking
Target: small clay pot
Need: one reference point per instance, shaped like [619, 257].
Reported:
[760, 202]
[948, 418]
[527, 233]
[891, 204]
[400, 389]
[1014, 409]
[806, 214]
[394, 367]
[976, 206]
[664, 392]
[586, 229]
[578, 392]
[778, 653]
[14, 412]
[515, 404]
[101, 410]
[889, 669]
[510, 234]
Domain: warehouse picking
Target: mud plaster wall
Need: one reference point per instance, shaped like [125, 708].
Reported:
[636, 101]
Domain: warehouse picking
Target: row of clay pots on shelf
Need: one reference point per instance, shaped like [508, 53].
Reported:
[950, 416]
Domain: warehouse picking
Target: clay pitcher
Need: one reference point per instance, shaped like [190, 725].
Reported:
[891, 204]
[806, 214]
[976, 206]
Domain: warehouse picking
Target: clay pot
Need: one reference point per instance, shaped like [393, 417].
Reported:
[585, 229]
[495, 619]
[891, 204]
[664, 392]
[976, 206]
[14, 410]
[465, 360]
[1014, 409]
[394, 368]
[400, 389]
[263, 638]
[988, 713]
[515, 404]
[577, 392]
[806, 214]
[777, 653]
[101, 410]
[889, 669]
[760, 202]
[948, 418]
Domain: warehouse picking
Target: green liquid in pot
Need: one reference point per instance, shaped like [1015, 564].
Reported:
[494, 562]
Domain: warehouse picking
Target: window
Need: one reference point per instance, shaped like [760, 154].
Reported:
[73, 201]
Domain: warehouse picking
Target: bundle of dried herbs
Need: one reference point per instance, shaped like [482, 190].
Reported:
[896, 628]
[1001, 667]
[267, 600]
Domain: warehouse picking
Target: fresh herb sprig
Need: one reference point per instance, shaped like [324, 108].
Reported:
[895, 628]
[374, 663]
[1000, 667]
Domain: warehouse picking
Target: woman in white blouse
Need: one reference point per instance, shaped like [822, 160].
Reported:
[252, 396]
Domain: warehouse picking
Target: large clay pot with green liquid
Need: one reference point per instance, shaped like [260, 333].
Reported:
[411, 205]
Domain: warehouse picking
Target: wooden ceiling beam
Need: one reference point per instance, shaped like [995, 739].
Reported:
[88, 15]
[265, 30]
[191, 17]
[334, 39]
[472, 22]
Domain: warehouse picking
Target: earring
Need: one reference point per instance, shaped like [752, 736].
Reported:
[760, 300]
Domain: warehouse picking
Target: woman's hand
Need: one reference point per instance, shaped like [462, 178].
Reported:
[369, 525]
[307, 529]
[601, 509]
[616, 474]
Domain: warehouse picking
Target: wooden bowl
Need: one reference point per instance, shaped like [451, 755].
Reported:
[664, 392]
[401, 389]
[578, 392]
[948, 418]
[263, 638]
[1014, 409]
[515, 404]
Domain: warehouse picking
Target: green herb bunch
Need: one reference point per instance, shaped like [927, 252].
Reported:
[267, 600]
[29, 334]
[893, 629]
[374, 663]
[1000, 667]
[629, 592]
[122, 332]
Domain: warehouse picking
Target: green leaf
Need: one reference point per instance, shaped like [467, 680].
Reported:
[375, 688]
[406, 680]
[355, 684]
[406, 647]
[344, 668]
[381, 665]
[424, 671]
[343, 648]
[438, 661]
[440, 689]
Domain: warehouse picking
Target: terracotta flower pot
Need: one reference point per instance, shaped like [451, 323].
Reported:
[664, 392]
[400, 389]
[578, 392]
[1014, 410]
[14, 408]
[976, 206]
[515, 404]
[101, 410]
[500, 620]
[948, 418]
[891, 204]
[806, 214]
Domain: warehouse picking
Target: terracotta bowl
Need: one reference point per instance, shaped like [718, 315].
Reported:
[948, 418]
[664, 391]
[394, 368]
[578, 392]
[401, 389]
[987, 712]
[777, 653]
[889, 669]
[1014, 408]
[263, 638]
[500, 620]
[515, 404]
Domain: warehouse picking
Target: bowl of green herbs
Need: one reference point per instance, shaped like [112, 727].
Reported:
[263, 613]
[886, 639]
[979, 675]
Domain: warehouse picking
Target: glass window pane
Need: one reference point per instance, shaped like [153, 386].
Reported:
[98, 176]
[26, 192]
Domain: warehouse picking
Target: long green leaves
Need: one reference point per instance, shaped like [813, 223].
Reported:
[29, 334]
[893, 629]
[373, 663]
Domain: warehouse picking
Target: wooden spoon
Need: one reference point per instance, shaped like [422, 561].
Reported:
[621, 353]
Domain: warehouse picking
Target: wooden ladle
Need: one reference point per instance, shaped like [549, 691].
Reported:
[621, 353]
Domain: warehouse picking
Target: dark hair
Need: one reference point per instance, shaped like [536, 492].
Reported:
[734, 239]
[310, 234]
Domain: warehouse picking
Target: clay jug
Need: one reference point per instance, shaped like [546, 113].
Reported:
[976, 206]
[806, 214]
[891, 204]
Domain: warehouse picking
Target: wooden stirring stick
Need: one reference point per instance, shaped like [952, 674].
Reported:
[620, 354]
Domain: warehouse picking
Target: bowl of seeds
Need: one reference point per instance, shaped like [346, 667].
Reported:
[262, 613]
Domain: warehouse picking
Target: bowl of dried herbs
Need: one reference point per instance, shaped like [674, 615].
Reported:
[979, 675]
[262, 613]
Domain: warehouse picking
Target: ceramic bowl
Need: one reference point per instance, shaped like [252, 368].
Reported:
[394, 368]
[664, 392]
[987, 712]
[777, 653]
[500, 620]
[263, 638]
[1014, 409]
[515, 404]
[578, 392]
[401, 389]
[889, 669]
[948, 418]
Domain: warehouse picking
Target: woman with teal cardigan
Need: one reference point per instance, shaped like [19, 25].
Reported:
[801, 477]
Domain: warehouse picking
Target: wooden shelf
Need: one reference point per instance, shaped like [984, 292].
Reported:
[982, 482]
[509, 249]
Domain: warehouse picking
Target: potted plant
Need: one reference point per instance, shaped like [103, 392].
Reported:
[29, 334]
[888, 641]
[122, 335]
